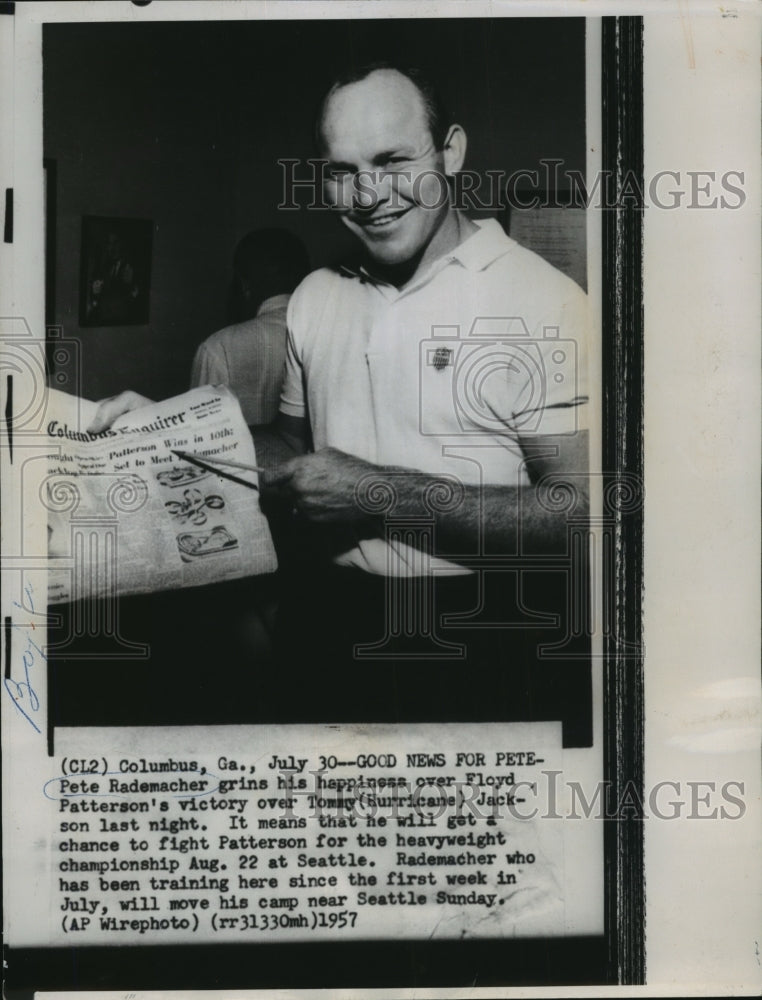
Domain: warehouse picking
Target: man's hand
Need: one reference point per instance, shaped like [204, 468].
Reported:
[114, 407]
[321, 486]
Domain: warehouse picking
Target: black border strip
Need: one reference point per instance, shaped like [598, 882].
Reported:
[8, 634]
[50, 167]
[8, 415]
[329, 965]
[8, 219]
[622, 92]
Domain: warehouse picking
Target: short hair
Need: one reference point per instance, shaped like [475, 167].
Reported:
[438, 117]
[276, 248]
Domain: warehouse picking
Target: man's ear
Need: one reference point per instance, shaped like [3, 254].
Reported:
[454, 149]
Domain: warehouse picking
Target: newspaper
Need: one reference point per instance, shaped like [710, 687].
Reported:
[127, 515]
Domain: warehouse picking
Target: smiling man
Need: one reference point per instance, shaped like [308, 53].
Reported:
[441, 386]
[376, 359]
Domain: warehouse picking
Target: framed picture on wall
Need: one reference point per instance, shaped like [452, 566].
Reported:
[115, 271]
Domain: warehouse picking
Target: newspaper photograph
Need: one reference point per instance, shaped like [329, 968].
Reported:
[325, 497]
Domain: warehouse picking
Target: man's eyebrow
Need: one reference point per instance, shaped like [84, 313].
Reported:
[341, 165]
[380, 158]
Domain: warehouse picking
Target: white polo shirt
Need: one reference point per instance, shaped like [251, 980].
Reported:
[484, 349]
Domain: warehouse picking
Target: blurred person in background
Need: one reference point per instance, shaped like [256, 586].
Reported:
[249, 355]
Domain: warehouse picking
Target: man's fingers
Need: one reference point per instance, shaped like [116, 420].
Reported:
[280, 475]
[114, 407]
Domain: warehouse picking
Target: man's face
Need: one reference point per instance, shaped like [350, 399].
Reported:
[384, 175]
[113, 247]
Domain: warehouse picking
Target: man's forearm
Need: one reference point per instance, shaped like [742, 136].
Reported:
[498, 519]
[330, 486]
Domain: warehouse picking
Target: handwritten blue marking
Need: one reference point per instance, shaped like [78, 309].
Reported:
[21, 690]
[7, 682]
[28, 590]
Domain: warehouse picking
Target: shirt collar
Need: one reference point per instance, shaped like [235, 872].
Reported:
[273, 304]
[483, 247]
[475, 253]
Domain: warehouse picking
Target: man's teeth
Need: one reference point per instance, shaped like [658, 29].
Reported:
[384, 220]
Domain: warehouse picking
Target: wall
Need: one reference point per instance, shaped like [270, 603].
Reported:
[184, 124]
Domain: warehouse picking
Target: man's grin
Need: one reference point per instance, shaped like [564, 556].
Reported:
[381, 221]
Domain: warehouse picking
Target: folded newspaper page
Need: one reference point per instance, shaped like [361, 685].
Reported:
[126, 515]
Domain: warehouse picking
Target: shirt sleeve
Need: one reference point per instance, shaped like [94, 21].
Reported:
[556, 398]
[534, 381]
[209, 366]
[292, 398]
